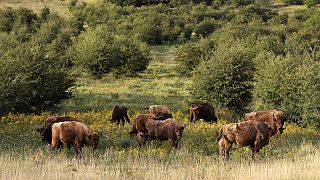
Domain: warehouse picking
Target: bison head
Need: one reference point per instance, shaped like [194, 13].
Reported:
[45, 133]
[279, 119]
[179, 130]
[94, 139]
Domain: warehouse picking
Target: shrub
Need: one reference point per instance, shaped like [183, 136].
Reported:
[31, 82]
[226, 79]
[99, 52]
[189, 55]
[289, 83]
[206, 27]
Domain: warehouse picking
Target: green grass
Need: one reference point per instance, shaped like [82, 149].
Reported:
[159, 84]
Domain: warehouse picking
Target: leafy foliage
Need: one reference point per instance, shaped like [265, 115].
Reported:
[226, 79]
[290, 83]
[100, 52]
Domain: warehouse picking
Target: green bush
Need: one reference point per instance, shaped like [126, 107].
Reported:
[33, 74]
[289, 83]
[226, 79]
[189, 55]
[30, 82]
[100, 52]
[6, 19]
[206, 27]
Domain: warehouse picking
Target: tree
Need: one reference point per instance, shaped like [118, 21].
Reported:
[290, 83]
[30, 82]
[100, 52]
[226, 79]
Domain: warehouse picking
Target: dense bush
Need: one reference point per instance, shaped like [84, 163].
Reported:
[33, 74]
[32, 82]
[190, 55]
[226, 79]
[290, 83]
[100, 52]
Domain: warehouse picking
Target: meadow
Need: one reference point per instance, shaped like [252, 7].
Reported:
[293, 155]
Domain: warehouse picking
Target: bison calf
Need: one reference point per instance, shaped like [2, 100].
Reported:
[120, 113]
[73, 133]
[168, 129]
[253, 134]
[203, 111]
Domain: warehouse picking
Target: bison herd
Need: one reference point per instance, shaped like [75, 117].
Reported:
[255, 131]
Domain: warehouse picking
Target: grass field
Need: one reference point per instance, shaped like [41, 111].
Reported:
[294, 155]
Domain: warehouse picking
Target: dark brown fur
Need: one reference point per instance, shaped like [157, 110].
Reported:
[45, 128]
[274, 117]
[120, 113]
[203, 111]
[168, 129]
[73, 133]
[250, 133]
[160, 112]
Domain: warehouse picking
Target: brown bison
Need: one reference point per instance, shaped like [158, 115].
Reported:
[203, 111]
[249, 133]
[273, 117]
[160, 112]
[45, 128]
[139, 124]
[120, 113]
[73, 133]
[168, 129]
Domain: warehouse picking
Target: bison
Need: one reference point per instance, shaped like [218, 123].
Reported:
[45, 128]
[120, 113]
[203, 111]
[139, 124]
[168, 129]
[160, 112]
[249, 133]
[73, 133]
[274, 117]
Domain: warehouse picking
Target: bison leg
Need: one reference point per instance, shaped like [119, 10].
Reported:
[77, 150]
[191, 116]
[175, 144]
[142, 138]
[122, 120]
[127, 118]
[224, 147]
[260, 142]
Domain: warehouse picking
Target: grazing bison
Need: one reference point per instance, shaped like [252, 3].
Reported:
[273, 117]
[168, 129]
[73, 133]
[203, 111]
[160, 112]
[139, 124]
[249, 133]
[45, 128]
[120, 113]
